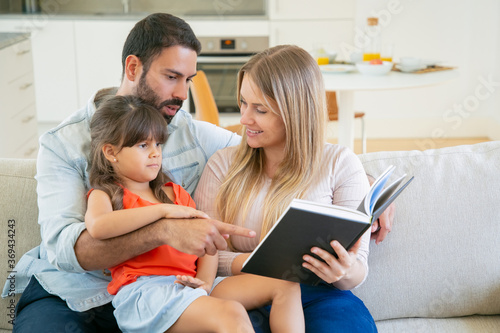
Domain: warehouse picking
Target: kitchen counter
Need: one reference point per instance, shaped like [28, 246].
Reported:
[7, 38]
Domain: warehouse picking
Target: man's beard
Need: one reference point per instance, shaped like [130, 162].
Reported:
[147, 94]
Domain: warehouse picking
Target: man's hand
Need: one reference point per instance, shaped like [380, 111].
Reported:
[193, 236]
[201, 236]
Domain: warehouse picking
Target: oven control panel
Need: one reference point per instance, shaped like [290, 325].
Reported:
[233, 45]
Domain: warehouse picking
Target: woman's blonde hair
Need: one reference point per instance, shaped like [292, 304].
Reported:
[123, 121]
[287, 76]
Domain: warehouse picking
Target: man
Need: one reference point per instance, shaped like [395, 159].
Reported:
[62, 280]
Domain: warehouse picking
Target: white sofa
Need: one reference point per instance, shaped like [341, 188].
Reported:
[437, 271]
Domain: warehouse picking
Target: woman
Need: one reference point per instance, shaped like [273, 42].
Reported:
[283, 155]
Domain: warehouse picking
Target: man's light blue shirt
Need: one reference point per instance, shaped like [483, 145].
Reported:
[62, 185]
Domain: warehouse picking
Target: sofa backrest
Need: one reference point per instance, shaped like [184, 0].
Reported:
[19, 227]
[442, 257]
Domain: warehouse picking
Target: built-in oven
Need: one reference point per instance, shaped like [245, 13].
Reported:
[221, 58]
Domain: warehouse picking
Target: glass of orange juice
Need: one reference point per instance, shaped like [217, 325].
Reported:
[387, 51]
[321, 53]
[322, 60]
[370, 56]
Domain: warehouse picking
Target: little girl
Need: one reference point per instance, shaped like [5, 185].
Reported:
[165, 289]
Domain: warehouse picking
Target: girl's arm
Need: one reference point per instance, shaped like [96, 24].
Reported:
[103, 222]
[207, 270]
[205, 276]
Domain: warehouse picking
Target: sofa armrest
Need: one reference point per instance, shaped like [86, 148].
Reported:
[19, 230]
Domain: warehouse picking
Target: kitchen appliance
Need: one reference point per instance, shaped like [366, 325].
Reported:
[221, 58]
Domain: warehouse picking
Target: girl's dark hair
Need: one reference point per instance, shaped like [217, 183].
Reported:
[123, 121]
[155, 32]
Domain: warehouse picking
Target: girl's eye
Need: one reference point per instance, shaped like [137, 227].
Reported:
[243, 102]
[261, 111]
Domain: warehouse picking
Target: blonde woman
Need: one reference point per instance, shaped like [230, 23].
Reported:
[283, 155]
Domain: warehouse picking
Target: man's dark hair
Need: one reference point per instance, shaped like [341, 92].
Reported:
[155, 32]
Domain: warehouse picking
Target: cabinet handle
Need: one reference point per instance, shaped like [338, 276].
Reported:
[20, 53]
[26, 86]
[27, 119]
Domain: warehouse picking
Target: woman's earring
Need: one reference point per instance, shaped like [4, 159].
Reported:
[114, 160]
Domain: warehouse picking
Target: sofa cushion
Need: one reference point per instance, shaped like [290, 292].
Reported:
[482, 324]
[19, 227]
[442, 257]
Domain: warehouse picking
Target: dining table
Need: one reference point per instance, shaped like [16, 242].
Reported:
[345, 84]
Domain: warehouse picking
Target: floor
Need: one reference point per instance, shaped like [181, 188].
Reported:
[373, 145]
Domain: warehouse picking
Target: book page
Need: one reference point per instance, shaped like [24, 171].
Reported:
[387, 193]
[369, 200]
[333, 210]
[383, 204]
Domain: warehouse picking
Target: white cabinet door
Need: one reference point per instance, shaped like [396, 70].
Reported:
[306, 33]
[311, 9]
[99, 47]
[18, 124]
[53, 64]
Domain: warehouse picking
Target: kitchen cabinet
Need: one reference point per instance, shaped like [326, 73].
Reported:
[229, 28]
[311, 10]
[54, 66]
[308, 33]
[310, 23]
[18, 126]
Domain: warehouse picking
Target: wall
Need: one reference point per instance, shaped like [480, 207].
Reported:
[461, 33]
[494, 103]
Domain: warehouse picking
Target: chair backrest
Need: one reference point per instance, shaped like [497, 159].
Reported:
[203, 99]
[332, 106]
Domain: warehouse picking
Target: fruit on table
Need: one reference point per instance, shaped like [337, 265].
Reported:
[376, 62]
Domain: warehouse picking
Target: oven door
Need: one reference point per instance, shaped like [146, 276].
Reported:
[222, 72]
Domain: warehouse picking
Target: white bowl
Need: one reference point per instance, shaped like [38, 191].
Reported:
[410, 62]
[373, 69]
[409, 69]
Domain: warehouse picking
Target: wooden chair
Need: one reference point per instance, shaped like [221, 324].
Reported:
[333, 115]
[204, 102]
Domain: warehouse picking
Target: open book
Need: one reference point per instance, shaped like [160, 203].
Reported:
[305, 224]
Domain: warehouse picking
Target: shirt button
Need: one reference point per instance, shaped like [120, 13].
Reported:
[183, 185]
